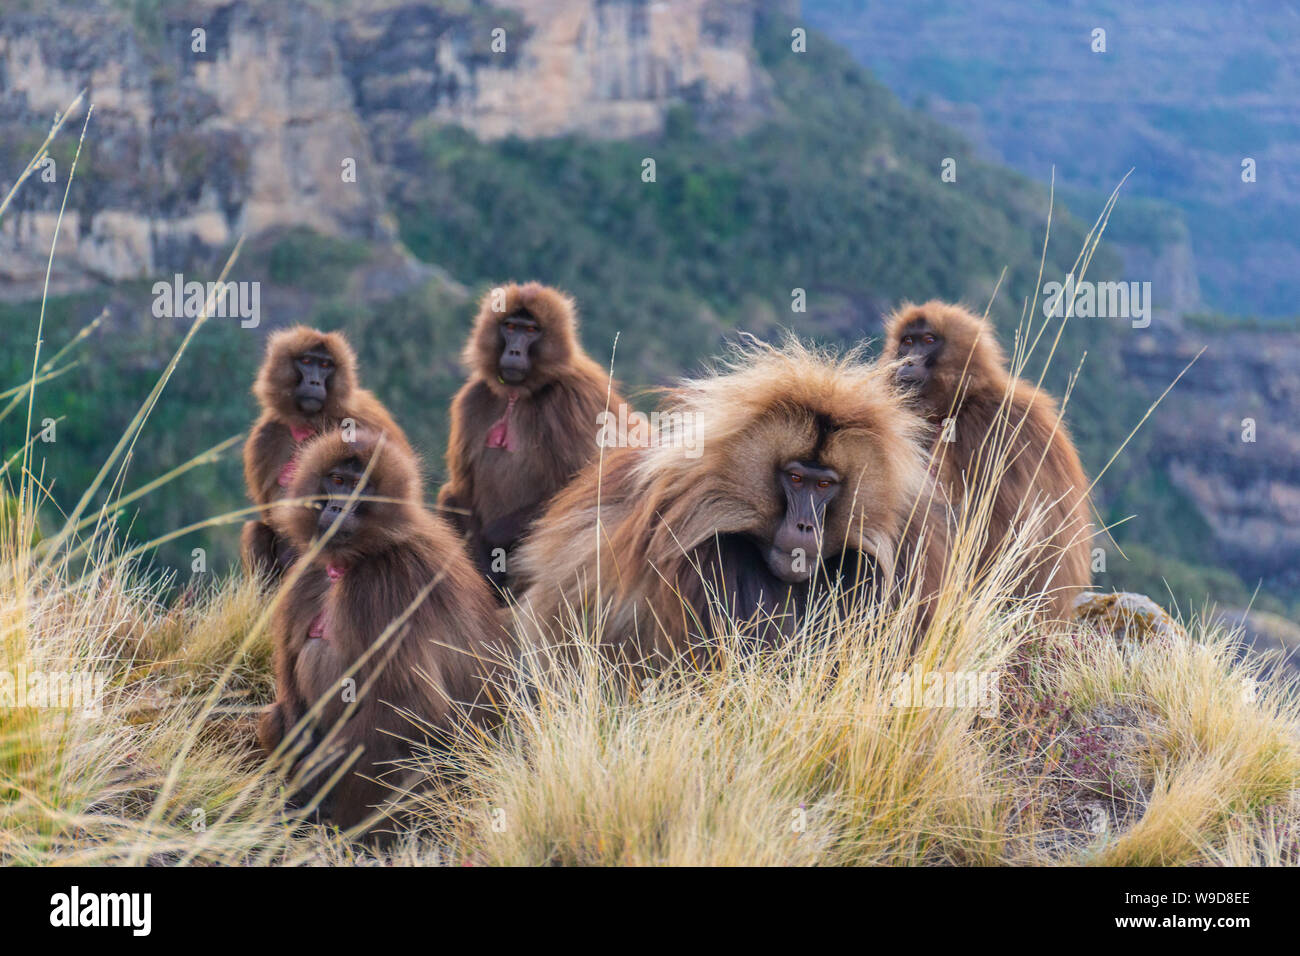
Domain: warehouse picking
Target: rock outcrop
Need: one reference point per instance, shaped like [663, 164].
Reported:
[223, 119]
[1127, 617]
[1232, 449]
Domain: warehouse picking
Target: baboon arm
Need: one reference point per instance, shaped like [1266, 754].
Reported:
[272, 726]
[261, 469]
[455, 496]
[264, 551]
[453, 505]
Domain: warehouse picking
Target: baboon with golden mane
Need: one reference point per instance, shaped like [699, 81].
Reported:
[809, 471]
[990, 428]
[524, 423]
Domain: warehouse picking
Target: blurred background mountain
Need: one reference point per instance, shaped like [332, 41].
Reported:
[775, 170]
[1183, 93]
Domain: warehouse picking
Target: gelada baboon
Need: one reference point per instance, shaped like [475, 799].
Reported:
[806, 471]
[523, 424]
[307, 385]
[987, 427]
[387, 626]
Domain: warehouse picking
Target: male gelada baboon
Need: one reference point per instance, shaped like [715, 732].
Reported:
[989, 428]
[387, 626]
[524, 423]
[808, 470]
[307, 385]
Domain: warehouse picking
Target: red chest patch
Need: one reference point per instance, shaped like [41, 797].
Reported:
[300, 434]
[320, 623]
[500, 435]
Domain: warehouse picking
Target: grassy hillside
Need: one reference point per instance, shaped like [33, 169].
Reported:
[1113, 740]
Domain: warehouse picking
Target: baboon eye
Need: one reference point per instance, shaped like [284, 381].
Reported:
[929, 339]
[326, 363]
[824, 483]
[336, 479]
[907, 340]
[797, 479]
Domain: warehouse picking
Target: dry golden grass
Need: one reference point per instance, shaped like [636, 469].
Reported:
[797, 758]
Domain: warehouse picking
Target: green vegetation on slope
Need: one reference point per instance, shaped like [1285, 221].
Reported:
[838, 194]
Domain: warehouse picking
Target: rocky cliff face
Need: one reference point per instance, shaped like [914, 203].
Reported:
[1227, 439]
[1170, 267]
[253, 124]
[535, 68]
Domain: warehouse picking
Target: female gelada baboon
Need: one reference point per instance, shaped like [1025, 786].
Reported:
[999, 436]
[524, 423]
[807, 471]
[384, 636]
[307, 385]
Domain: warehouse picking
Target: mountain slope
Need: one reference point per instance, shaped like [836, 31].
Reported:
[1184, 91]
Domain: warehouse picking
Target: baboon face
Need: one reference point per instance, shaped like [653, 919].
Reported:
[795, 549]
[519, 334]
[918, 351]
[315, 368]
[338, 483]
[328, 474]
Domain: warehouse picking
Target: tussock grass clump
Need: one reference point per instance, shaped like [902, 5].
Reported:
[1089, 752]
[1092, 750]
[142, 767]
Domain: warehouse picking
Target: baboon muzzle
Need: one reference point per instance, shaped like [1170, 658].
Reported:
[797, 544]
[514, 364]
[911, 373]
[339, 512]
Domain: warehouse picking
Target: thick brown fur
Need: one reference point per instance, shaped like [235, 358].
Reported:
[663, 515]
[996, 417]
[271, 444]
[431, 673]
[491, 494]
